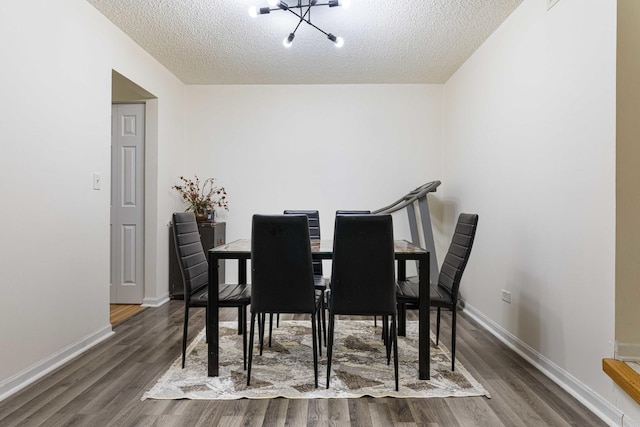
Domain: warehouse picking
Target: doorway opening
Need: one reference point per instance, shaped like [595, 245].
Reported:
[129, 201]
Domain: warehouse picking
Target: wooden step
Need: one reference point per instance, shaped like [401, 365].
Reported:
[623, 375]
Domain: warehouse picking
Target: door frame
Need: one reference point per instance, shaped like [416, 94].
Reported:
[125, 90]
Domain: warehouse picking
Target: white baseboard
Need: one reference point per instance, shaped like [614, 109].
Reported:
[627, 422]
[594, 402]
[155, 302]
[33, 373]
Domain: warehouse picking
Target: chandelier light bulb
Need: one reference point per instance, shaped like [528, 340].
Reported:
[338, 41]
[345, 3]
[253, 11]
[288, 41]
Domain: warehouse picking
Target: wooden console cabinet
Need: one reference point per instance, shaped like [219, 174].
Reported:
[212, 234]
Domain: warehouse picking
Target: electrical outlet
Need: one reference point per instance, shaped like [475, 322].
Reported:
[551, 3]
[506, 296]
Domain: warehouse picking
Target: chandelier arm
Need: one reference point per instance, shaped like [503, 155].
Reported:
[300, 6]
[302, 18]
[298, 26]
[317, 28]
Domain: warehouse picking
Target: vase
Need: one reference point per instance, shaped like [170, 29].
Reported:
[201, 216]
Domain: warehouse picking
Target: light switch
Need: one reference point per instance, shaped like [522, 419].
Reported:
[97, 181]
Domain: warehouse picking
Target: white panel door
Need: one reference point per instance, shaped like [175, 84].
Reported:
[127, 203]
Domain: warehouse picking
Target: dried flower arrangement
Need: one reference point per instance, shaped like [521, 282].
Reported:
[201, 198]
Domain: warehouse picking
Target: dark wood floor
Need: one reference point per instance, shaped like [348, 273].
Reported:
[103, 387]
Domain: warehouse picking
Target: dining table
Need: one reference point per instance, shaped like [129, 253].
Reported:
[240, 250]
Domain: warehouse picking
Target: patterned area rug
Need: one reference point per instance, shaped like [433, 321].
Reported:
[285, 369]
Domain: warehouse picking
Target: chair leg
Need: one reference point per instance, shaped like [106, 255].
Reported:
[318, 318]
[261, 331]
[322, 332]
[253, 319]
[244, 337]
[324, 322]
[260, 323]
[438, 327]
[325, 302]
[387, 342]
[240, 327]
[314, 332]
[271, 326]
[394, 339]
[453, 338]
[185, 332]
[330, 346]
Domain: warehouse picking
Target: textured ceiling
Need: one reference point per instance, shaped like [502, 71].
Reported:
[216, 42]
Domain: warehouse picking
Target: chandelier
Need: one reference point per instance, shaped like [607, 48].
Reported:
[302, 10]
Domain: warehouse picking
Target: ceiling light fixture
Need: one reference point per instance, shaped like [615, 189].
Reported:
[302, 10]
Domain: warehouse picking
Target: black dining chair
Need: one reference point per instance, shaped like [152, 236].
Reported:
[194, 268]
[444, 294]
[282, 275]
[314, 233]
[318, 279]
[356, 212]
[363, 276]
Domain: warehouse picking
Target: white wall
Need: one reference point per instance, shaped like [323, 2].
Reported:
[530, 147]
[55, 86]
[324, 147]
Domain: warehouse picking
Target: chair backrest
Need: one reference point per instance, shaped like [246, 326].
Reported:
[456, 259]
[363, 273]
[281, 271]
[314, 232]
[191, 258]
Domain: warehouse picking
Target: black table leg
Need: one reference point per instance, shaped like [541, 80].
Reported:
[212, 318]
[242, 279]
[424, 339]
[242, 271]
[402, 320]
[402, 309]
